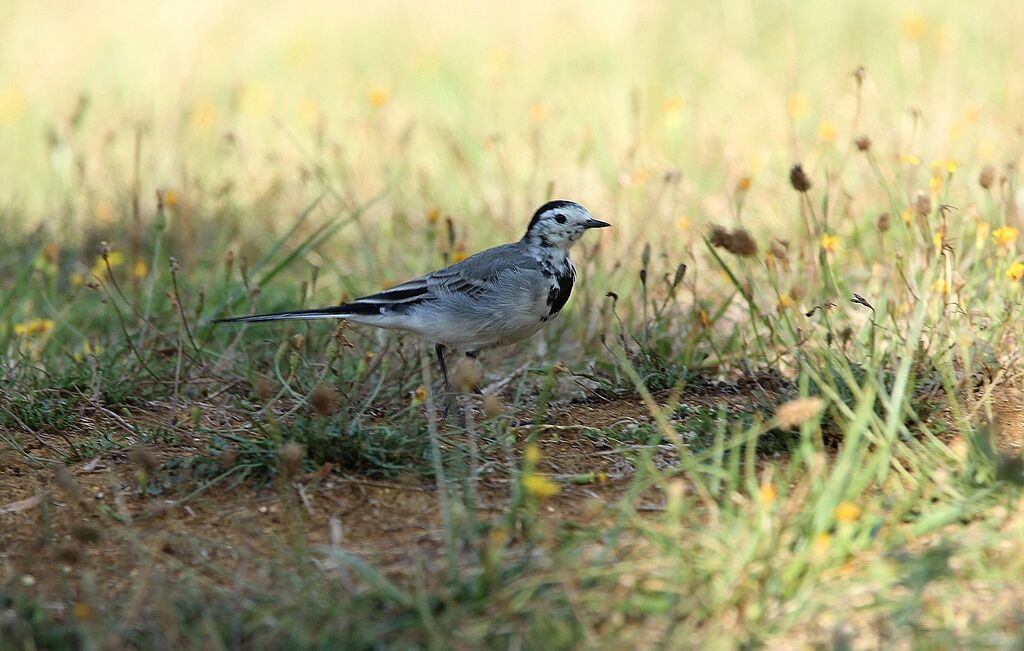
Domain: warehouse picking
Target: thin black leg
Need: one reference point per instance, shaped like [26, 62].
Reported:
[439, 350]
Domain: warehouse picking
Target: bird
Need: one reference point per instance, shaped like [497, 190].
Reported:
[493, 298]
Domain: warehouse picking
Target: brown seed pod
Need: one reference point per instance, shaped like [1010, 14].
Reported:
[987, 177]
[863, 143]
[324, 399]
[884, 222]
[492, 406]
[467, 374]
[798, 178]
[291, 458]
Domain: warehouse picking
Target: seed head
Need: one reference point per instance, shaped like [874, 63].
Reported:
[66, 481]
[798, 178]
[987, 177]
[796, 412]
[297, 341]
[738, 242]
[923, 204]
[228, 458]
[467, 374]
[86, 533]
[68, 554]
[884, 222]
[262, 388]
[860, 74]
[492, 406]
[863, 143]
[324, 399]
[291, 458]
[144, 459]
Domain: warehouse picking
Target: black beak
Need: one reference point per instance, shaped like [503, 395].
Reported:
[595, 223]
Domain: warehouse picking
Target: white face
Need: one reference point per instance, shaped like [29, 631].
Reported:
[560, 223]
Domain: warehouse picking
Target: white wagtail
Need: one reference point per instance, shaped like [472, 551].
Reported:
[496, 297]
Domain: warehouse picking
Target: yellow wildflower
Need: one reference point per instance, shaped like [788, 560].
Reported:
[1016, 271]
[433, 215]
[309, 110]
[682, 224]
[34, 327]
[82, 610]
[171, 199]
[76, 279]
[785, 302]
[910, 159]
[204, 115]
[640, 176]
[421, 393]
[914, 26]
[1005, 235]
[378, 96]
[847, 512]
[940, 286]
[139, 269]
[540, 487]
[798, 105]
[827, 132]
[705, 321]
[532, 454]
[460, 252]
[935, 184]
[767, 494]
[981, 231]
[820, 544]
[673, 104]
[743, 184]
[12, 105]
[538, 112]
[256, 99]
[829, 242]
[905, 215]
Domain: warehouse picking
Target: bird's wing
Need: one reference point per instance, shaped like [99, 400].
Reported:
[470, 277]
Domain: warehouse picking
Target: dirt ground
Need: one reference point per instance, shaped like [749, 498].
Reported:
[94, 519]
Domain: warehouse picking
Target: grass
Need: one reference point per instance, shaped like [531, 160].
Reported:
[782, 408]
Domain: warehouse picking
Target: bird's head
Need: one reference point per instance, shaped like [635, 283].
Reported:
[559, 224]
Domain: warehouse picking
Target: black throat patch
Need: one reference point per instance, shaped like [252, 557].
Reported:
[561, 288]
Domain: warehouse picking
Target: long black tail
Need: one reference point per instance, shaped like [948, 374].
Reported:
[332, 312]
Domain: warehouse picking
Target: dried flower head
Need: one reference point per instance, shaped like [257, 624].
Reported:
[86, 532]
[66, 481]
[738, 242]
[292, 455]
[796, 412]
[228, 458]
[798, 178]
[324, 399]
[923, 204]
[492, 406]
[863, 143]
[144, 459]
[884, 222]
[780, 250]
[262, 388]
[987, 177]
[68, 554]
[467, 374]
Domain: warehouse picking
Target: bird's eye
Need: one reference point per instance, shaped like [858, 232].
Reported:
[560, 218]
